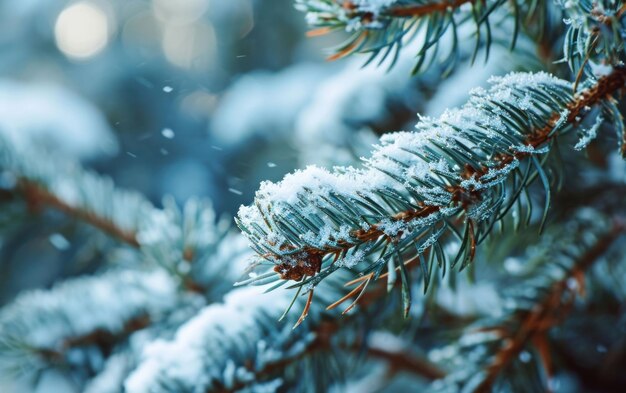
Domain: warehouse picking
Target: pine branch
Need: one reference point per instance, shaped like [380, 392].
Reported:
[382, 28]
[228, 356]
[67, 311]
[212, 353]
[64, 185]
[189, 243]
[44, 327]
[37, 197]
[542, 317]
[594, 36]
[457, 175]
[192, 244]
[540, 304]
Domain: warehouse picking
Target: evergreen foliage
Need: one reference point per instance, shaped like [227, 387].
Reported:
[458, 175]
[482, 251]
[382, 28]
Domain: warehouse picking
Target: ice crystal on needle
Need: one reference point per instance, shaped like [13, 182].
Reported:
[355, 14]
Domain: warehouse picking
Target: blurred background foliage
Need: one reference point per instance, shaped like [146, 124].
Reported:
[130, 87]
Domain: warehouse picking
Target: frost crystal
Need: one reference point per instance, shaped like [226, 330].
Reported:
[589, 135]
[358, 15]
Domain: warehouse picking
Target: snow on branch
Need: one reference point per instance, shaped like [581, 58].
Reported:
[193, 244]
[48, 181]
[501, 350]
[186, 242]
[78, 323]
[50, 327]
[244, 345]
[222, 347]
[456, 176]
[381, 28]
[594, 40]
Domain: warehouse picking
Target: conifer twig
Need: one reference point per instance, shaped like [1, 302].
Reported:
[42, 327]
[549, 312]
[397, 360]
[425, 9]
[288, 218]
[382, 28]
[38, 196]
[102, 338]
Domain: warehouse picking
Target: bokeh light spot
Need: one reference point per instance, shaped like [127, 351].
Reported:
[82, 30]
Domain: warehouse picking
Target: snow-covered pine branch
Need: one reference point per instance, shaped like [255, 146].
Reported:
[194, 245]
[187, 242]
[50, 181]
[69, 326]
[508, 353]
[74, 324]
[230, 347]
[79, 322]
[381, 28]
[243, 344]
[594, 37]
[457, 176]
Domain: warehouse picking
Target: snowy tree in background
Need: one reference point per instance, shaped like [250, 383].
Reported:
[482, 251]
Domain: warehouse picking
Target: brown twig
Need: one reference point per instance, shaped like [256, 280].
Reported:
[38, 197]
[100, 337]
[397, 360]
[426, 9]
[416, 11]
[404, 361]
